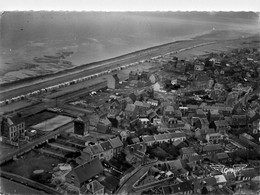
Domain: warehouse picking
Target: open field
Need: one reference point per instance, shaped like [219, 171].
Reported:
[30, 162]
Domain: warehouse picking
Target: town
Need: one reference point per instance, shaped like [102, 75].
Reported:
[164, 125]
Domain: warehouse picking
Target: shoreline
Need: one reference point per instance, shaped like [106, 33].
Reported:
[83, 66]
[182, 39]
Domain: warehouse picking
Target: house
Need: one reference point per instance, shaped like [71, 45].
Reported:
[256, 126]
[222, 157]
[168, 111]
[113, 82]
[153, 103]
[221, 126]
[202, 81]
[178, 114]
[82, 174]
[104, 126]
[187, 152]
[12, 127]
[212, 149]
[117, 145]
[115, 107]
[246, 174]
[131, 111]
[152, 116]
[185, 187]
[95, 151]
[133, 75]
[148, 139]
[144, 122]
[92, 188]
[82, 125]
[176, 166]
[239, 121]
[220, 180]
[199, 66]
[167, 137]
[107, 153]
[214, 137]
[156, 86]
[152, 78]
[170, 122]
[142, 108]
[135, 153]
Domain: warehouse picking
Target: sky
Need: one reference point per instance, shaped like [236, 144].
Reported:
[131, 5]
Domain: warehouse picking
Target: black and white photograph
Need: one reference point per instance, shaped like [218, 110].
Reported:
[129, 97]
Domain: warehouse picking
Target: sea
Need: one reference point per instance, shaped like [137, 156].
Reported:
[95, 36]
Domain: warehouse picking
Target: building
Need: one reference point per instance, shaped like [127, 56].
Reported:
[107, 153]
[115, 107]
[12, 127]
[214, 137]
[142, 108]
[187, 152]
[212, 149]
[117, 145]
[130, 111]
[148, 139]
[167, 137]
[81, 125]
[113, 82]
[82, 174]
[104, 126]
[185, 187]
[221, 126]
[92, 188]
[168, 111]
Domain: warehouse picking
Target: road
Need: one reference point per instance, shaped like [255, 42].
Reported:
[10, 187]
[23, 88]
[128, 186]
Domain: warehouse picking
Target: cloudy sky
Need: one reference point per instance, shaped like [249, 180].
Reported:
[131, 5]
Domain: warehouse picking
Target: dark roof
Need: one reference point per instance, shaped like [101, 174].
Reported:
[212, 147]
[222, 155]
[130, 107]
[177, 188]
[95, 149]
[148, 138]
[14, 120]
[116, 142]
[106, 145]
[88, 170]
[187, 150]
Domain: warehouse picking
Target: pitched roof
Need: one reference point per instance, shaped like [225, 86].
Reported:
[88, 170]
[96, 149]
[116, 142]
[148, 138]
[222, 155]
[169, 109]
[106, 145]
[221, 123]
[187, 150]
[178, 188]
[130, 107]
[212, 147]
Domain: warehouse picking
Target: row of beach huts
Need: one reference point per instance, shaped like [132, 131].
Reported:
[72, 82]
[65, 84]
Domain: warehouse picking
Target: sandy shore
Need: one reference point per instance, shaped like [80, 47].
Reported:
[31, 84]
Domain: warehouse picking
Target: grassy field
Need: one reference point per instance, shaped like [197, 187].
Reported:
[30, 162]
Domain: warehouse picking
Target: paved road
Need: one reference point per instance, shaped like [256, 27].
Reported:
[128, 186]
[13, 91]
